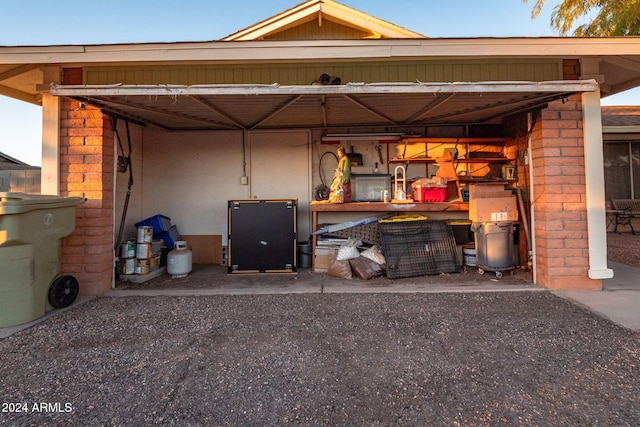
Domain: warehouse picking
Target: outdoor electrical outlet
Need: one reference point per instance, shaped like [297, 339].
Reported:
[244, 180]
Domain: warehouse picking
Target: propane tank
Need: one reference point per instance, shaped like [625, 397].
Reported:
[179, 260]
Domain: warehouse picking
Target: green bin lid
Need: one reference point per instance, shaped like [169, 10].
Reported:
[16, 203]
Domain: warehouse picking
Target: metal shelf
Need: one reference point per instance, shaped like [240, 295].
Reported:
[432, 160]
[486, 141]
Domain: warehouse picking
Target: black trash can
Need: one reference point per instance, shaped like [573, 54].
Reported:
[304, 254]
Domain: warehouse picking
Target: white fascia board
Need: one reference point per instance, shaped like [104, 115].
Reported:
[314, 50]
[621, 129]
[561, 86]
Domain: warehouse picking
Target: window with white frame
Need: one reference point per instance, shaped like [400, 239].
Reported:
[622, 169]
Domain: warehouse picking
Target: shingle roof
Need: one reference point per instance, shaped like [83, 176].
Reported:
[621, 116]
[9, 163]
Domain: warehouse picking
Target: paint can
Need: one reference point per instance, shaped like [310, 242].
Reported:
[145, 234]
[156, 247]
[143, 266]
[143, 250]
[154, 262]
[128, 265]
[128, 250]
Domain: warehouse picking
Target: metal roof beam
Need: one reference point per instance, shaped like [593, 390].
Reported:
[278, 110]
[158, 111]
[429, 107]
[223, 113]
[369, 109]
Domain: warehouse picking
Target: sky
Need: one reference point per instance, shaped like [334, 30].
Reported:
[46, 22]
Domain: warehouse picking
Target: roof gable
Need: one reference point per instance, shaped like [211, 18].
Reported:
[322, 19]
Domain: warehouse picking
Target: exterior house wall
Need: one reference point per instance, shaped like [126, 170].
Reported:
[21, 181]
[86, 170]
[303, 74]
[559, 198]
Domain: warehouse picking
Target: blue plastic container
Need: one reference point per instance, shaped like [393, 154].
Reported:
[159, 223]
[170, 236]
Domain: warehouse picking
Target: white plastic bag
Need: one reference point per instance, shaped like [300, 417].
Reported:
[349, 250]
[374, 254]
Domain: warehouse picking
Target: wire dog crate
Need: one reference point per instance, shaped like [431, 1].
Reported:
[418, 248]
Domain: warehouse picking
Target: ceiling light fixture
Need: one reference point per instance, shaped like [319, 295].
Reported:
[337, 137]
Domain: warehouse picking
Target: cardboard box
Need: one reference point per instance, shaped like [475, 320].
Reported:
[493, 209]
[323, 257]
[491, 203]
[486, 190]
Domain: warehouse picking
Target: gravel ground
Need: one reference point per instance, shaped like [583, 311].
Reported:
[624, 248]
[506, 358]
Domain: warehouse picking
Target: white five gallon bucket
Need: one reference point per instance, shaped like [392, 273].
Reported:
[469, 254]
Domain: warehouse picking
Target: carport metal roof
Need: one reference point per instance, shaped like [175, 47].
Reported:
[220, 107]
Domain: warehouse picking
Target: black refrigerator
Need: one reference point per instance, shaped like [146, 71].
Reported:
[262, 236]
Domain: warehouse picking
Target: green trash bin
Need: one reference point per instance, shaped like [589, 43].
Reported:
[31, 227]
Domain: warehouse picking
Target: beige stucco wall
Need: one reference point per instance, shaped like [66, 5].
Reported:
[191, 176]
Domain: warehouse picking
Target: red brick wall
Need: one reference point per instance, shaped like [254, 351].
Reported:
[559, 200]
[86, 170]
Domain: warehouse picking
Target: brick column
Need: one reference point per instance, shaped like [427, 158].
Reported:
[86, 170]
[559, 198]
